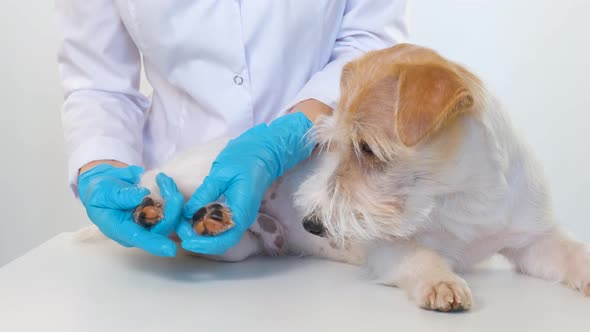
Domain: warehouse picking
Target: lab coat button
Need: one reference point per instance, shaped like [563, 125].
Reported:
[238, 80]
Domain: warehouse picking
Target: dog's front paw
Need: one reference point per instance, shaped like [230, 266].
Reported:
[578, 275]
[444, 295]
[149, 212]
[579, 281]
[271, 232]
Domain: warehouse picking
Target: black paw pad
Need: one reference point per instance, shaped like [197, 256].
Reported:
[148, 201]
[199, 215]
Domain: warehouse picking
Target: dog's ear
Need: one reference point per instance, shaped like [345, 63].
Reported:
[428, 96]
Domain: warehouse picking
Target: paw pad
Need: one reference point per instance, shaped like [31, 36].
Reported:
[148, 213]
[212, 219]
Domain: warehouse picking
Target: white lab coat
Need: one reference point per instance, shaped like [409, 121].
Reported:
[217, 67]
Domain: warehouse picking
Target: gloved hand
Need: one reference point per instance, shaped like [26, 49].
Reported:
[242, 173]
[110, 194]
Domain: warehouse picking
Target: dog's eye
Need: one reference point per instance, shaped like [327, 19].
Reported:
[366, 149]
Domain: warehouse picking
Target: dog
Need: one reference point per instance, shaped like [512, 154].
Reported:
[418, 174]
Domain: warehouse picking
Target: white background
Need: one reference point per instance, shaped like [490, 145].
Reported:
[533, 53]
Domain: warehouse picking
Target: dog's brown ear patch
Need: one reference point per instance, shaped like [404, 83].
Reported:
[429, 95]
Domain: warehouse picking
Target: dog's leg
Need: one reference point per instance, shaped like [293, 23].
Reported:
[554, 256]
[423, 274]
[188, 170]
[151, 210]
[212, 219]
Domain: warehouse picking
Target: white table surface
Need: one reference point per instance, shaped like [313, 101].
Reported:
[64, 285]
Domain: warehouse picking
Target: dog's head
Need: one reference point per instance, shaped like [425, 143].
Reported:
[397, 125]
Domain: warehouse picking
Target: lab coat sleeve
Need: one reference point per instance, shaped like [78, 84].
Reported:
[99, 65]
[367, 25]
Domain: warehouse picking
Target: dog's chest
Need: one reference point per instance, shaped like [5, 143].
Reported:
[278, 203]
[472, 245]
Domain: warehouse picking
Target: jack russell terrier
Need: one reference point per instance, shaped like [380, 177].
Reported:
[418, 173]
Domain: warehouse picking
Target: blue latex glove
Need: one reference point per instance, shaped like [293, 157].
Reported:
[242, 173]
[110, 195]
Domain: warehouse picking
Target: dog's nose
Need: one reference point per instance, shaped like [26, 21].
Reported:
[314, 226]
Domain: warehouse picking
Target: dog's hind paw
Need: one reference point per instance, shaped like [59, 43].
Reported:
[149, 212]
[212, 219]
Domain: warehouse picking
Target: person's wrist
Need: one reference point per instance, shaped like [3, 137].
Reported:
[92, 164]
[313, 109]
[295, 144]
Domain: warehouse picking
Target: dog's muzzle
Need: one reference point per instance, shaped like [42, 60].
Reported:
[313, 225]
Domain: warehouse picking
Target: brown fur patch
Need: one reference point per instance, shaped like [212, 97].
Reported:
[429, 94]
[406, 87]
[392, 100]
